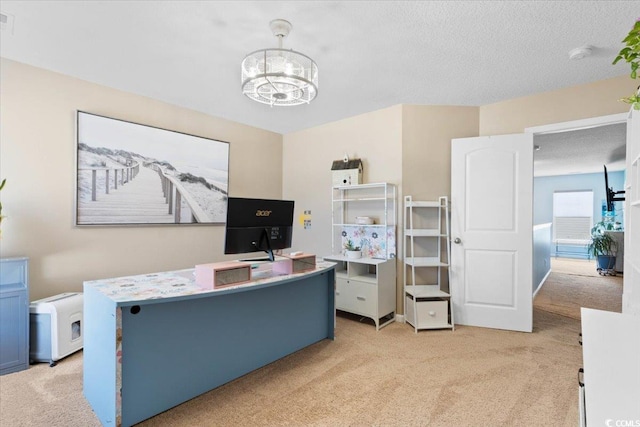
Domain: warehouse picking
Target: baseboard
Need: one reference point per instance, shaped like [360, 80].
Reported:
[399, 318]
[541, 283]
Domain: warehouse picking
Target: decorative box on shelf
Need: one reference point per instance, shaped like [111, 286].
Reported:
[297, 263]
[220, 274]
[347, 172]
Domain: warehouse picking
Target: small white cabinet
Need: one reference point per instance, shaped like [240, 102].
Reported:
[367, 287]
[365, 214]
[427, 300]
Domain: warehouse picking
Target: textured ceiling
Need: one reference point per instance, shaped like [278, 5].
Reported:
[371, 54]
[581, 151]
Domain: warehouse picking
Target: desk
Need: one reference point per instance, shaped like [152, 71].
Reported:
[610, 347]
[154, 341]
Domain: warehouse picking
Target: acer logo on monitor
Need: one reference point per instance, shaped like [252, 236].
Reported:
[258, 225]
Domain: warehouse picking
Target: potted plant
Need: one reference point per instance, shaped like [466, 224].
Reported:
[631, 54]
[603, 247]
[351, 250]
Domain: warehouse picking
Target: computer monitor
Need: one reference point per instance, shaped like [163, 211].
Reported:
[612, 196]
[258, 225]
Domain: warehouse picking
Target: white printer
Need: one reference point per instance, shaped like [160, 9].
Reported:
[55, 325]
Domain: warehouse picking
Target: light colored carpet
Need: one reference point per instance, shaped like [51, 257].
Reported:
[394, 377]
[578, 267]
[576, 283]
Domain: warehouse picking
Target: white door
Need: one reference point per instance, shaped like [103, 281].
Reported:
[491, 231]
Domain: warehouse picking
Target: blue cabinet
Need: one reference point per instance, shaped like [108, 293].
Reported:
[14, 314]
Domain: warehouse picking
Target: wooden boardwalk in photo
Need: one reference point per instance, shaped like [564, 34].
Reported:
[139, 201]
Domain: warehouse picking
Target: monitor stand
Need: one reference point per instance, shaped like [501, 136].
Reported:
[263, 237]
[256, 259]
[276, 258]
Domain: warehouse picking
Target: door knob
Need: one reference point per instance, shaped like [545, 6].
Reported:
[457, 241]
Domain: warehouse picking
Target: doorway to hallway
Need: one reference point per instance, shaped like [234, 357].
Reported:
[575, 283]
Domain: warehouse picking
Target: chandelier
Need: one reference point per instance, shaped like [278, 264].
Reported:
[278, 76]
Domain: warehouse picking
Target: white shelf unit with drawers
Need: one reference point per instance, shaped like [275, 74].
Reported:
[365, 286]
[427, 300]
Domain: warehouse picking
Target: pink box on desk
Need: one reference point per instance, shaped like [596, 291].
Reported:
[220, 274]
[295, 264]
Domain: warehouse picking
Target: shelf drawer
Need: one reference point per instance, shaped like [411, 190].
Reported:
[427, 314]
[13, 274]
[356, 297]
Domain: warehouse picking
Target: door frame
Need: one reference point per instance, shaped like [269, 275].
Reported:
[577, 125]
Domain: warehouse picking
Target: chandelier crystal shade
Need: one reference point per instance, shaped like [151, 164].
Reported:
[279, 76]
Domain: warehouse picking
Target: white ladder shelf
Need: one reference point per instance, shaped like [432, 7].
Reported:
[426, 259]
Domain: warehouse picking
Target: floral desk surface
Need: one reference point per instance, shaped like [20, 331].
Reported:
[171, 284]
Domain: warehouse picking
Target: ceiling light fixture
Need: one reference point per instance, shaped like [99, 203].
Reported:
[278, 76]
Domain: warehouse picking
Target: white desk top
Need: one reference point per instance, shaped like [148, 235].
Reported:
[179, 283]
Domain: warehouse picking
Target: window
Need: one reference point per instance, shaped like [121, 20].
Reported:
[572, 216]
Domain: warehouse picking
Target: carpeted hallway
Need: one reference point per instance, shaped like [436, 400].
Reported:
[394, 377]
[576, 283]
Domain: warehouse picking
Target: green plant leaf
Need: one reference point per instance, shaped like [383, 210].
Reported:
[631, 51]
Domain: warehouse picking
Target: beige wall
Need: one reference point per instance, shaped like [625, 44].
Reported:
[563, 105]
[427, 132]
[375, 137]
[406, 145]
[37, 143]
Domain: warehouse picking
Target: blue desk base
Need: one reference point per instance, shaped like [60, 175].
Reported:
[175, 350]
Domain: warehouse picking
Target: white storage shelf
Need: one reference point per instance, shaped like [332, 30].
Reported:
[356, 199]
[424, 233]
[425, 262]
[426, 291]
[353, 224]
[633, 190]
[365, 286]
[427, 306]
[376, 201]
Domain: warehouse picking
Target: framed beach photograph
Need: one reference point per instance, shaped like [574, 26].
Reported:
[130, 174]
